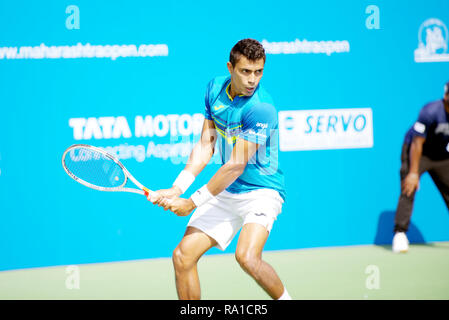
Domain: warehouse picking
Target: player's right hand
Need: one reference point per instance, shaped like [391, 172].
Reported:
[157, 196]
[410, 184]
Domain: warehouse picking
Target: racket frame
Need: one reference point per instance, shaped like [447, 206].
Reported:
[143, 190]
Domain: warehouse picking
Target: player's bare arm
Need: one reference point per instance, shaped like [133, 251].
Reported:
[231, 170]
[225, 176]
[204, 149]
[411, 181]
[200, 156]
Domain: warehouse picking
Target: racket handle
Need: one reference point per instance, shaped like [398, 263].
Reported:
[148, 193]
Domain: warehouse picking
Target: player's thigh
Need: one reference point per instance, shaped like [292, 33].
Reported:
[193, 245]
[440, 176]
[252, 239]
[440, 172]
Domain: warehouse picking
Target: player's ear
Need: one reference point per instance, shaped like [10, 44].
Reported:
[230, 67]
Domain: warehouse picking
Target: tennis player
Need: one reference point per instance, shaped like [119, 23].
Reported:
[247, 192]
[425, 149]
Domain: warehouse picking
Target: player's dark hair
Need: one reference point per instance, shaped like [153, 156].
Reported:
[249, 48]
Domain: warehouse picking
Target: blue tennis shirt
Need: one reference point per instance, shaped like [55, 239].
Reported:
[253, 118]
[432, 124]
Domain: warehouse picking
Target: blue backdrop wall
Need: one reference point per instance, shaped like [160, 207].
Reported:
[348, 79]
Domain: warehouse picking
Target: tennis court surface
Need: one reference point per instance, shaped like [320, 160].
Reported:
[355, 272]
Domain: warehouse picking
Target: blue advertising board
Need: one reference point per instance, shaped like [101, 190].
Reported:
[348, 79]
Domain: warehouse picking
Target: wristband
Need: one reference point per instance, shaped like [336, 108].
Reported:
[184, 180]
[201, 196]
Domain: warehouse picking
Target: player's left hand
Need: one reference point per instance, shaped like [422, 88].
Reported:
[179, 206]
[410, 184]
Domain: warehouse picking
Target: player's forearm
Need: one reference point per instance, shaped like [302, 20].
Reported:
[199, 157]
[227, 174]
[415, 156]
[224, 177]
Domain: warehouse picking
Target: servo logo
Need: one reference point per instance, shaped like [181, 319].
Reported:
[325, 129]
[432, 42]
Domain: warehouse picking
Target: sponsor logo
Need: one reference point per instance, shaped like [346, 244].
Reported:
[148, 126]
[181, 130]
[260, 214]
[419, 127]
[432, 42]
[219, 107]
[306, 47]
[442, 128]
[325, 129]
[83, 51]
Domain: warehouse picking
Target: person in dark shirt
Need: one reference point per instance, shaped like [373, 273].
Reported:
[425, 149]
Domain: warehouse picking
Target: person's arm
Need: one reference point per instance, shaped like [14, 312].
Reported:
[203, 150]
[225, 176]
[231, 170]
[200, 156]
[420, 128]
[257, 123]
[411, 181]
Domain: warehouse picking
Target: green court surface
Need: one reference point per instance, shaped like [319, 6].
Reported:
[354, 272]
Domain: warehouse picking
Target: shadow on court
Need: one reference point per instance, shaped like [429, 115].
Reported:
[384, 234]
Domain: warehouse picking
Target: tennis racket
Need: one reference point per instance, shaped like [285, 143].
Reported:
[95, 168]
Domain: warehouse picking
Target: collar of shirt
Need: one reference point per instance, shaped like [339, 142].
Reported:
[238, 97]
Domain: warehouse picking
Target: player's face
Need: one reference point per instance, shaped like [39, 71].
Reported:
[245, 76]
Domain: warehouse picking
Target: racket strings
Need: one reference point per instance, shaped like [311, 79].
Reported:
[94, 168]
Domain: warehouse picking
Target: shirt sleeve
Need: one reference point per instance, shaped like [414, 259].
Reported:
[207, 113]
[257, 123]
[422, 125]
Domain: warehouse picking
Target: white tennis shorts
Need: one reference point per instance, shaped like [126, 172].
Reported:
[222, 217]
